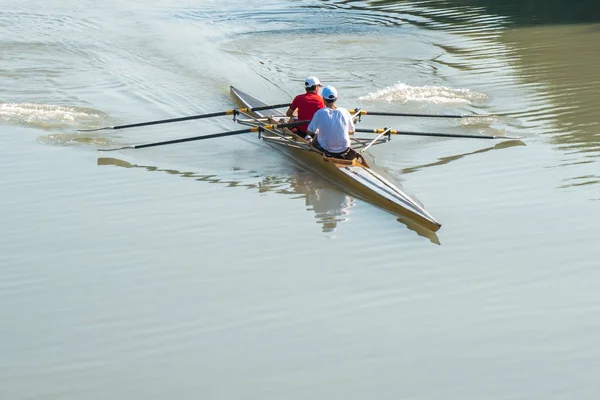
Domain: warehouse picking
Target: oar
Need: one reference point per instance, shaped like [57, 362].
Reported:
[166, 121]
[211, 136]
[449, 135]
[391, 114]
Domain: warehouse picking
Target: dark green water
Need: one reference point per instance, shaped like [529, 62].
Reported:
[534, 12]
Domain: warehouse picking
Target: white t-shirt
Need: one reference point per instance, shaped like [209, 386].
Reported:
[331, 128]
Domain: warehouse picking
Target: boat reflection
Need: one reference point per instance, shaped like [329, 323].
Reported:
[330, 205]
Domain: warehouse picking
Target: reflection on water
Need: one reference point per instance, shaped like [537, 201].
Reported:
[330, 205]
[565, 61]
[445, 160]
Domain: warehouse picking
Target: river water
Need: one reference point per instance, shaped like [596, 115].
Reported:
[220, 270]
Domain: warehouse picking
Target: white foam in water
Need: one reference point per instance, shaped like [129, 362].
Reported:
[47, 116]
[401, 92]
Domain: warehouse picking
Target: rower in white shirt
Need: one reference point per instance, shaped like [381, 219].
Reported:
[331, 126]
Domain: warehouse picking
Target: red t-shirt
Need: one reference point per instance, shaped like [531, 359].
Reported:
[307, 104]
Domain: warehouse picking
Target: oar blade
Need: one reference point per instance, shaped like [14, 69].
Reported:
[509, 137]
[118, 148]
[96, 129]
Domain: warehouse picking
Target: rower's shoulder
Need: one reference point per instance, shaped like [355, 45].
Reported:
[343, 110]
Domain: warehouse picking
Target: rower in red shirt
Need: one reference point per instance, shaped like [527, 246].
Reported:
[307, 104]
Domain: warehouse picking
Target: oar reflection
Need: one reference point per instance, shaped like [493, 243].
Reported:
[446, 160]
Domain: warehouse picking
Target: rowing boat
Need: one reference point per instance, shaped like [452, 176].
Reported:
[354, 176]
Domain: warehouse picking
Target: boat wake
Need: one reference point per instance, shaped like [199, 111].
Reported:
[403, 93]
[49, 116]
[73, 139]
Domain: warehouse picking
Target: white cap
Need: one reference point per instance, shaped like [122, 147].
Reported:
[311, 81]
[329, 93]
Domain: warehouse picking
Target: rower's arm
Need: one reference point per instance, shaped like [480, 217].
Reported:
[290, 112]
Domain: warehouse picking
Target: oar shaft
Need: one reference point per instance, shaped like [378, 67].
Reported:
[375, 140]
[212, 136]
[393, 114]
[191, 117]
[434, 134]
[166, 121]
[216, 114]
[191, 139]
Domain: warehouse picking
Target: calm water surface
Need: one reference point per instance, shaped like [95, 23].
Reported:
[218, 269]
